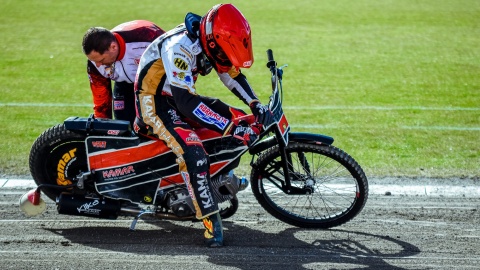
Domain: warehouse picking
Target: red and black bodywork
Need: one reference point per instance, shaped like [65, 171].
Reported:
[138, 168]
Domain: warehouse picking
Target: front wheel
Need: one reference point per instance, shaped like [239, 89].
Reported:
[57, 156]
[327, 186]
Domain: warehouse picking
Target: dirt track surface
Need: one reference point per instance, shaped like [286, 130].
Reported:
[396, 231]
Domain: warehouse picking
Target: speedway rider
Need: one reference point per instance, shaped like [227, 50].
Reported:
[165, 95]
[114, 55]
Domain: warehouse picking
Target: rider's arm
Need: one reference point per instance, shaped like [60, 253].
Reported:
[179, 62]
[101, 91]
[236, 82]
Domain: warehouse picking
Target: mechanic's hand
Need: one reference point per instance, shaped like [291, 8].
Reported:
[245, 133]
[262, 114]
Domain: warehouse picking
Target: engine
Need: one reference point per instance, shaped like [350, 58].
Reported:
[180, 202]
[177, 199]
[225, 187]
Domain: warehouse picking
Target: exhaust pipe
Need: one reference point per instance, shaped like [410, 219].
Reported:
[79, 205]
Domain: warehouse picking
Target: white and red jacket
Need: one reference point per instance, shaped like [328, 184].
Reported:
[133, 38]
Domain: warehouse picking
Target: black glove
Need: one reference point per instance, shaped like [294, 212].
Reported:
[262, 113]
[245, 133]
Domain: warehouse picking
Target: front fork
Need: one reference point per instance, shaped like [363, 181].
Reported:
[285, 165]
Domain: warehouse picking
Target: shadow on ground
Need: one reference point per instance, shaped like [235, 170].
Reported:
[291, 248]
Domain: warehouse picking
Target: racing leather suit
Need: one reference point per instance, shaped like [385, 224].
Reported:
[133, 38]
[166, 95]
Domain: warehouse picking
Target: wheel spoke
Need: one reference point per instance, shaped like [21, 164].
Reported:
[332, 181]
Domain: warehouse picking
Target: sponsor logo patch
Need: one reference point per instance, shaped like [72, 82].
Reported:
[204, 191]
[188, 80]
[188, 136]
[186, 179]
[201, 162]
[62, 167]
[180, 54]
[186, 51]
[175, 118]
[208, 116]
[99, 144]
[118, 105]
[110, 71]
[118, 173]
[196, 48]
[180, 63]
[192, 138]
[247, 64]
[113, 132]
[179, 75]
[182, 77]
[89, 208]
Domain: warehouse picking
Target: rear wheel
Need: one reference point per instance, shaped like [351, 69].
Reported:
[327, 189]
[56, 156]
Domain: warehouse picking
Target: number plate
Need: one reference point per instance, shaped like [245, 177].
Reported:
[284, 128]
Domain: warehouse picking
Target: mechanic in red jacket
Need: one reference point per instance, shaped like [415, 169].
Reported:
[114, 55]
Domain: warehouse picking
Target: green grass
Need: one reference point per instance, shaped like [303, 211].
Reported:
[396, 83]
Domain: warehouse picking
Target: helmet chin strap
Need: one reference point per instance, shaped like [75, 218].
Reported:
[192, 24]
[203, 64]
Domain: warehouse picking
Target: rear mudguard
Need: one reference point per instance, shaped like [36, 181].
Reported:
[293, 137]
[98, 126]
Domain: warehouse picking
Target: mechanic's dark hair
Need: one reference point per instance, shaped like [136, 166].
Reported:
[97, 39]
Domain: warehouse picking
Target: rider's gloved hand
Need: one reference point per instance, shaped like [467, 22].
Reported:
[245, 133]
[262, 113]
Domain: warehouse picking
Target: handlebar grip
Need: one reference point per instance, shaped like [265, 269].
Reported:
[270, 62]
[270, 55]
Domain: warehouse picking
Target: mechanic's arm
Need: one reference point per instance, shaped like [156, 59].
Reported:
[101, 91]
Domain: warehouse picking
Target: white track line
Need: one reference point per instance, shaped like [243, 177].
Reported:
[377, 189]
[302, 108]
[442, 128]
[381, 108]
[313, 126]
[20, 104]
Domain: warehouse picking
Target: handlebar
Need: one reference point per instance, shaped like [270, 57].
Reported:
[271, 62]
[275, 103]
[269, 55]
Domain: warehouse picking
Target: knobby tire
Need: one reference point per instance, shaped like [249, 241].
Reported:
[337, 185]
[56, 156]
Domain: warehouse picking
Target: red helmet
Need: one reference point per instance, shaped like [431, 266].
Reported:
[226, 38]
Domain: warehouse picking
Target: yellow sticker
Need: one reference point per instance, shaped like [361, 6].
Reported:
[180, 64]
[62, 163]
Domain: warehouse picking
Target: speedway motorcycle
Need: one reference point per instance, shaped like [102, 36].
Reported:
[100, 168]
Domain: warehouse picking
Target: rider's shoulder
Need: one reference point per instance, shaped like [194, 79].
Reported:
[182, 44]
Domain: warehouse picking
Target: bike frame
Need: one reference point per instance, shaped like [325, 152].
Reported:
[281, 128]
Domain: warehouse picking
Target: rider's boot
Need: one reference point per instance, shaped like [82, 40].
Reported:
[213, 230]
